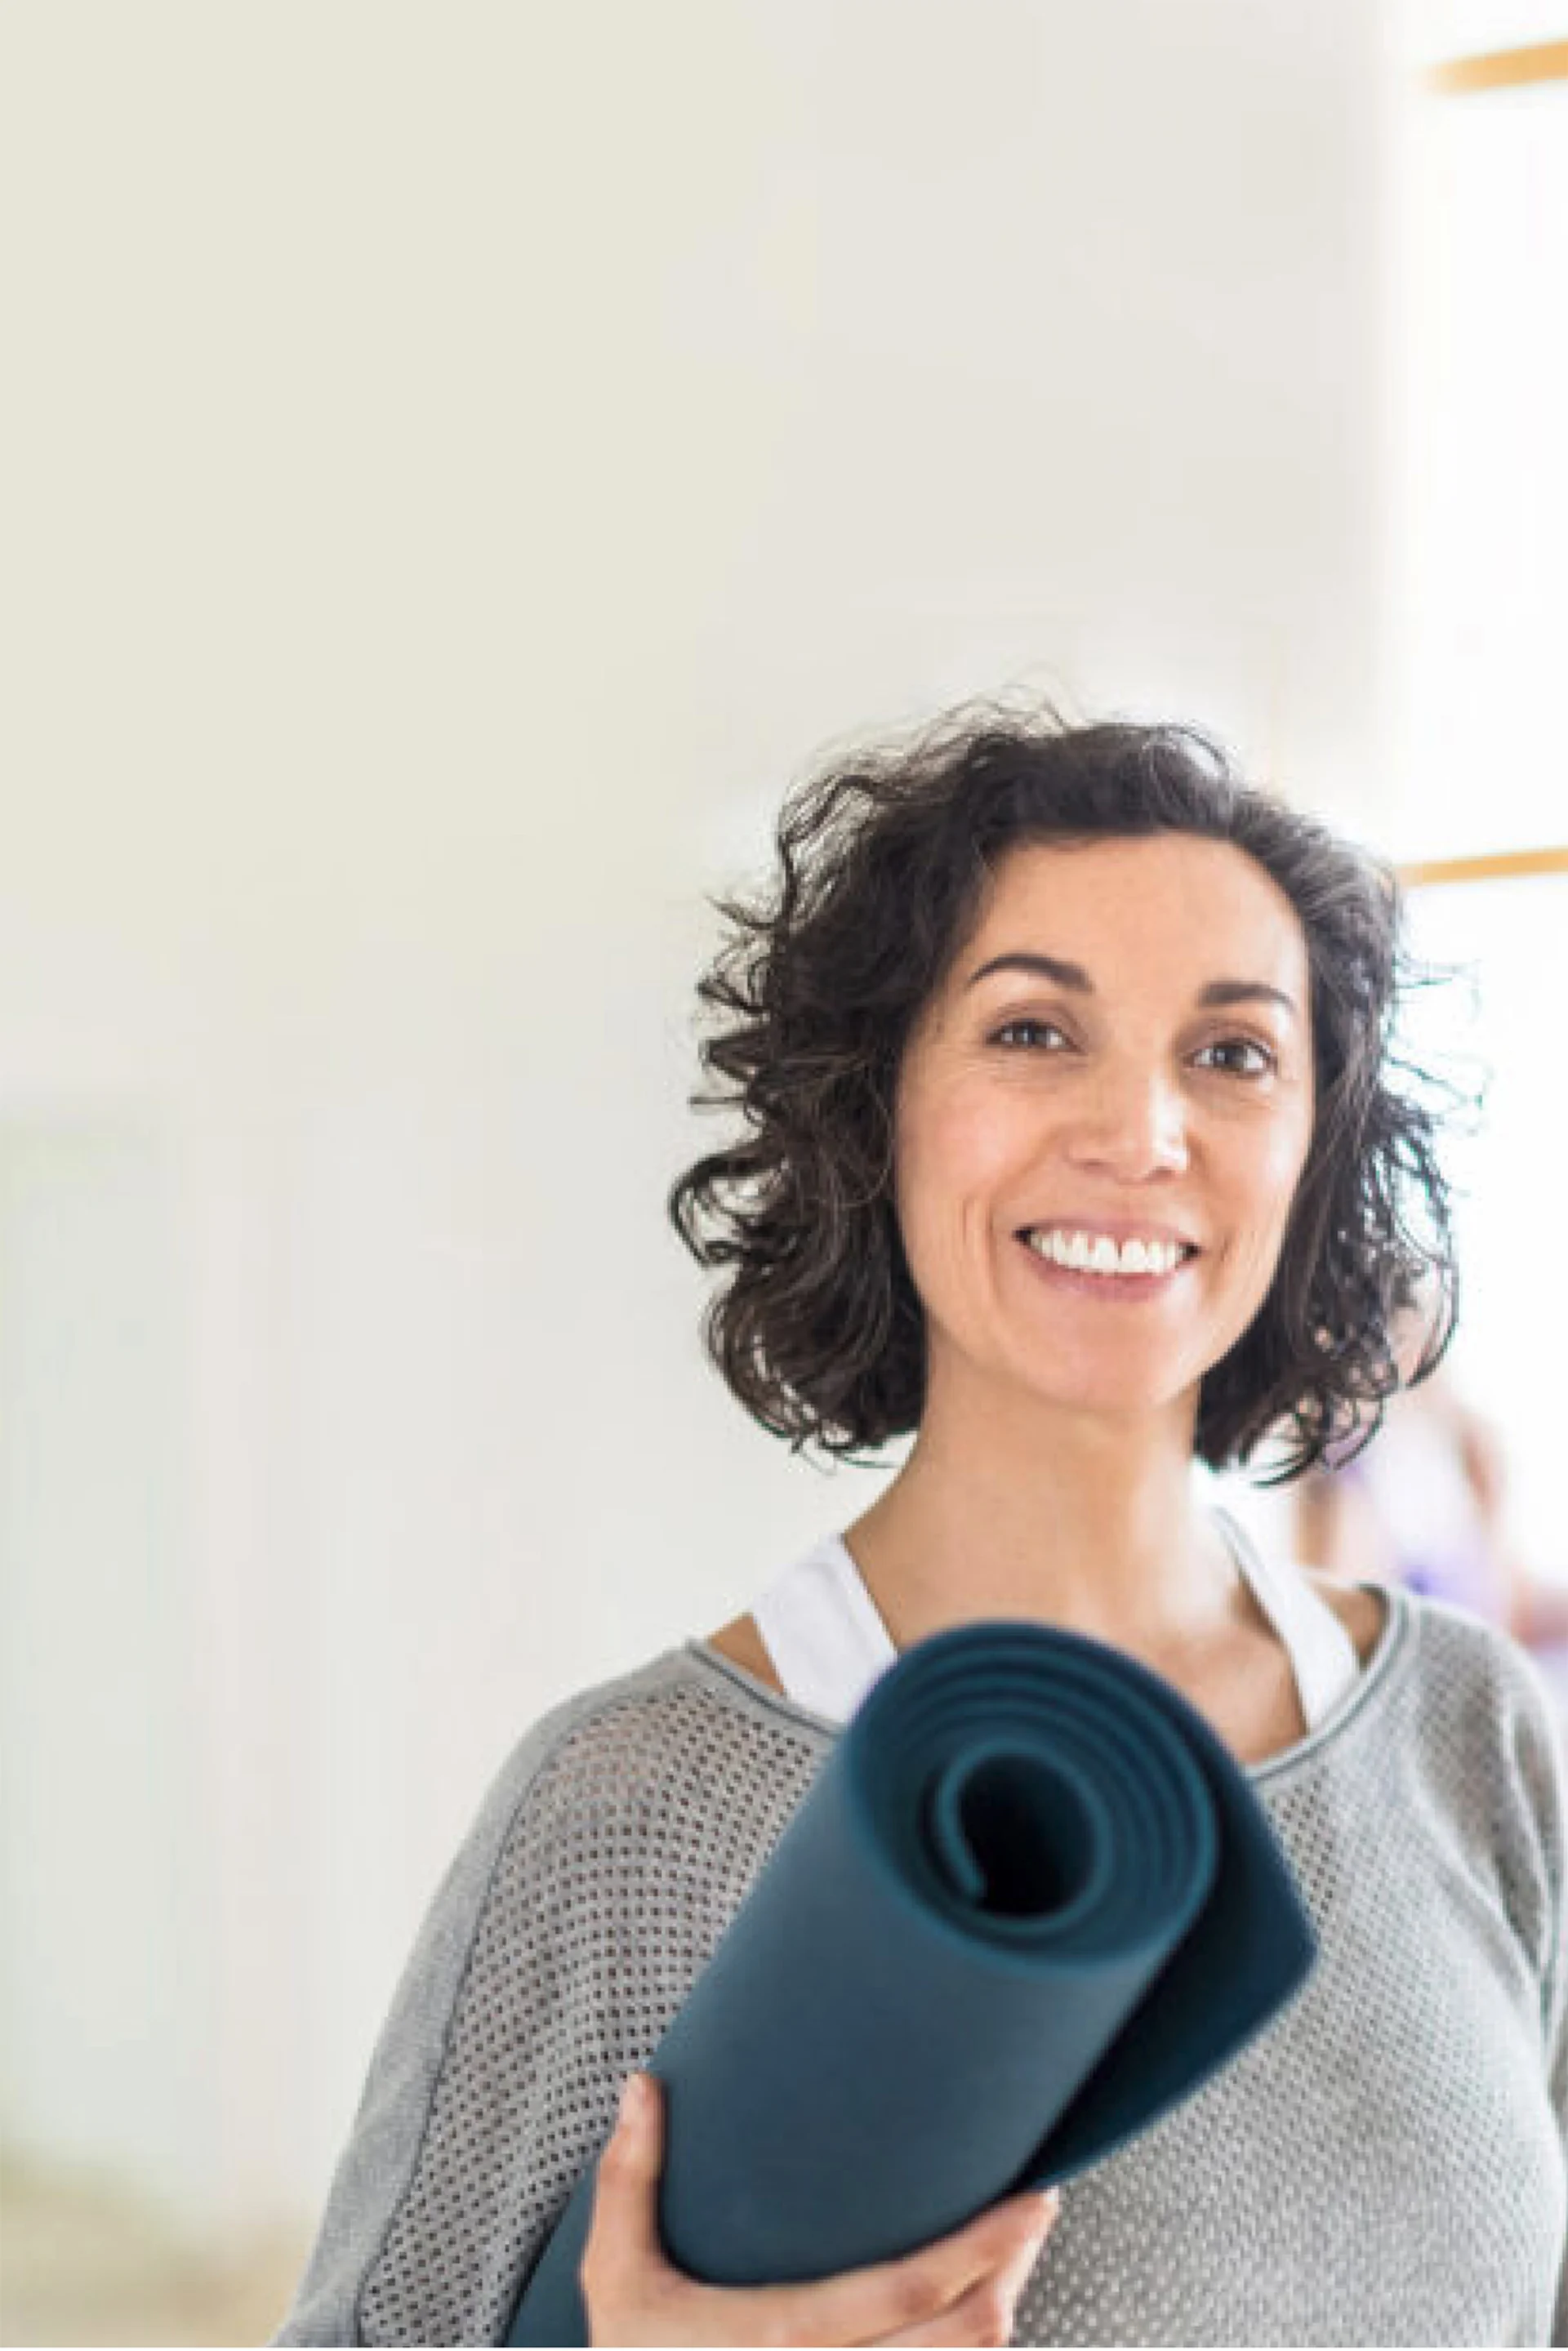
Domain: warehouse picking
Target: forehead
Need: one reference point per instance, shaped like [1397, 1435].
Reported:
[1163, 902]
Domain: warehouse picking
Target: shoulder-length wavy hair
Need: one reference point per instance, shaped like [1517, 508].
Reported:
[885, 861]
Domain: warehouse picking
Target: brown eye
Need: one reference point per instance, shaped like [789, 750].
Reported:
[1265, 1058]
[1037, 1028]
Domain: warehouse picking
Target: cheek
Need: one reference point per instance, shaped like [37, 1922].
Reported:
[952, 1145]
[952, 1154]
[1281, 1171]
[1269, 1178]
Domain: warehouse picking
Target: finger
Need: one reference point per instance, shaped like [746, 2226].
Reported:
[985, 2312]
[984, 2315]
[623, 2230]
[873, 2304]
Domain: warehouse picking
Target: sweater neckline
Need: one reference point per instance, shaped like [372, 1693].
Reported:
[1390, 1640]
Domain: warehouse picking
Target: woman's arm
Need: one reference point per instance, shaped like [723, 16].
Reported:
[459, 2155]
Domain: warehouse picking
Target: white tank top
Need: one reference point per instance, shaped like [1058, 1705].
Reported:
[828, 1643]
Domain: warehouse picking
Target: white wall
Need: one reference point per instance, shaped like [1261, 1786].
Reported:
[462, 463]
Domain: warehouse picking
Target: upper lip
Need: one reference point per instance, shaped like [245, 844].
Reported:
[1115, 1228]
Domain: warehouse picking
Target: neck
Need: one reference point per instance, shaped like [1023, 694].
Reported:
[1074, 1520]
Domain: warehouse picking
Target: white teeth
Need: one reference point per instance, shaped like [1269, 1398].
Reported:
[1097, 1253]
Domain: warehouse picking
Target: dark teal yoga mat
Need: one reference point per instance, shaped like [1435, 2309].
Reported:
[1030, 1904]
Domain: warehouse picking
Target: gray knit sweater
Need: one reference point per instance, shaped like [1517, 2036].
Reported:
[1384, 2164]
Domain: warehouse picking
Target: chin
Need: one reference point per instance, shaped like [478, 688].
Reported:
[1113, 1399]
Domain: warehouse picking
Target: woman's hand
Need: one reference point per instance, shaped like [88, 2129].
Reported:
[959, 2289]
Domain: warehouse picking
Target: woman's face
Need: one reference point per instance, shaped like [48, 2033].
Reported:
[1149, 1078]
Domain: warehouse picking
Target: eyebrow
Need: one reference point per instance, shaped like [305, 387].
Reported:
[1073, 976]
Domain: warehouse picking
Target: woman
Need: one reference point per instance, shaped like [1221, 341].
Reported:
[1071, 1148]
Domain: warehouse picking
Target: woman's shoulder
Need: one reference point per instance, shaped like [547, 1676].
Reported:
[1445, 1645]
[1363, 1613]
[742, 1644]
[1480, 1708]
[638, 1742]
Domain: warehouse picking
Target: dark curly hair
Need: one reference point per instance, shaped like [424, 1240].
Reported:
[884, 859]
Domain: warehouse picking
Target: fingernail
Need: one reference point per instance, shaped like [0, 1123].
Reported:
[633, 2100]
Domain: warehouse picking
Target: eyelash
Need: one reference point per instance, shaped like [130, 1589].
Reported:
[1271, 1060]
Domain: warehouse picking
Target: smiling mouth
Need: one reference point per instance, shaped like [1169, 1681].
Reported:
[1136, 1269]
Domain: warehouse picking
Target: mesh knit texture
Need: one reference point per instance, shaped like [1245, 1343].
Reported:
[1384, 2164]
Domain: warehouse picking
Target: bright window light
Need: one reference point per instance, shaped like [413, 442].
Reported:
[1484, 472]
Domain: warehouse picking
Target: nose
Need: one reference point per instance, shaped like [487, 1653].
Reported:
[1130, 1123]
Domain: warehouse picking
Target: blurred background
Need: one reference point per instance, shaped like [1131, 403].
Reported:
[460, 465]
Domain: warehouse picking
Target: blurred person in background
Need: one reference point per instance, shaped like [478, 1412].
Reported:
[1424, 1505]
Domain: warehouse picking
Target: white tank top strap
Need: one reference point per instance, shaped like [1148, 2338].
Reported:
[820, 1626]
[828, 1643]
[1320, 1649]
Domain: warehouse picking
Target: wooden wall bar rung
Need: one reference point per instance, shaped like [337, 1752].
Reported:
[1508, 865]
[1499, 69]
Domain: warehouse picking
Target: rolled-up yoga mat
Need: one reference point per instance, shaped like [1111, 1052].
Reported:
[1030, 1904]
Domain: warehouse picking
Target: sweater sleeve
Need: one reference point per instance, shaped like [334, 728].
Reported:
[1559, 2105]
[487, 2088]
[1543, 1756]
